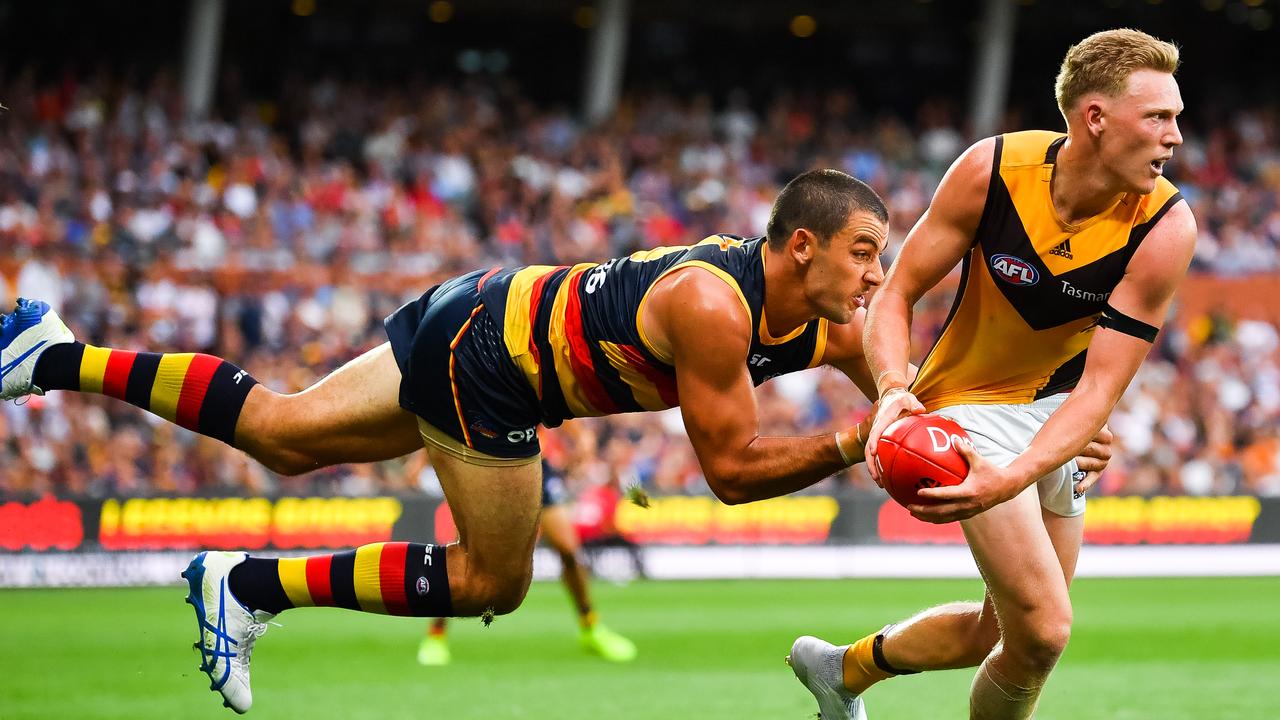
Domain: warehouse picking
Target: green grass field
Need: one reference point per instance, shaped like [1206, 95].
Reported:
[1164, 649]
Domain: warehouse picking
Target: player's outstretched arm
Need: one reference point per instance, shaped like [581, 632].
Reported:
[933, 247]
[1121, 342]
[703, 322]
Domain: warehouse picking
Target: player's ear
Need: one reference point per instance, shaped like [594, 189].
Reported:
[1095, 117]
[802, 244]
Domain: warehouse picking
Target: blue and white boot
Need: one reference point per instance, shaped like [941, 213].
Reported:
[25, 334]
[228, 629]
[820, 666]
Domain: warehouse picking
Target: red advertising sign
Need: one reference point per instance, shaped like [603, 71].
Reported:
[47, 524]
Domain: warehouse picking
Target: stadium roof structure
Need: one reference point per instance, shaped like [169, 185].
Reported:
[580, 52]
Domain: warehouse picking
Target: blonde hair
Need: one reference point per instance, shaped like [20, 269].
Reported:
[1103, 61]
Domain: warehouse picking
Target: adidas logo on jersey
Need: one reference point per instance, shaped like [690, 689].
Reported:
[1063, 250]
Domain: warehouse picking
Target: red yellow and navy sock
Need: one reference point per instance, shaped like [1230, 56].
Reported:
[391, 578]
[199, 392]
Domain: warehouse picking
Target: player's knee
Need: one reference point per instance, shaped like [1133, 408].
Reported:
[500, 592]
[510, 595]
[268, 436]
[1040, 648]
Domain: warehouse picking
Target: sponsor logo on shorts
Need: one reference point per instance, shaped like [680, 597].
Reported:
[423, 587]
[485, 430]
[1014, 270]
[522, 436]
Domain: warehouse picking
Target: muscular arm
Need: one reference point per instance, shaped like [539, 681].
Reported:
[932, 248]
[708, 331]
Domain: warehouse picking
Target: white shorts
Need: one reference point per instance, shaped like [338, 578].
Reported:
[1002, 432]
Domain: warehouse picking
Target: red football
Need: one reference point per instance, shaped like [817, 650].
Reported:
[917, 452]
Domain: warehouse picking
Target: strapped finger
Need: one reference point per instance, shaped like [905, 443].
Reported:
[1086, 482]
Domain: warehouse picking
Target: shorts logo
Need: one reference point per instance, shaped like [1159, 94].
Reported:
[423, 587]
[521, 436]
[1014, 270]
[483, 429]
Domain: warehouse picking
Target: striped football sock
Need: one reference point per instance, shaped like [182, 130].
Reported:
[389, 578]
[199, 392]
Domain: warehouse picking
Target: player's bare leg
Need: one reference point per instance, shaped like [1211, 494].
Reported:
[595, 637]
[352, 415]
[1029, 590]
[959, 634]
[485, 573]
[945, 637]
[962, 634]
[1066, 534]
[496, 511]
[954, 635]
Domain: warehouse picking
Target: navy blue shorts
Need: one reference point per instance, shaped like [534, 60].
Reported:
[456, 373]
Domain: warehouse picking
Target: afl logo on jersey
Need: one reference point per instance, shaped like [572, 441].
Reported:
[1014, 270]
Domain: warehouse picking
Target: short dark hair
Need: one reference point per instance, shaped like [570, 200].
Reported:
[820, 201]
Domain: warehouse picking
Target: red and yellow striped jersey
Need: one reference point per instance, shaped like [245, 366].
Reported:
[574, 332]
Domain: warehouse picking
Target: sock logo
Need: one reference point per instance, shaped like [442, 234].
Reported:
[423, 587]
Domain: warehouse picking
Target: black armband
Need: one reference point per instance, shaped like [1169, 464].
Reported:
[877, 655]
[1113, 319]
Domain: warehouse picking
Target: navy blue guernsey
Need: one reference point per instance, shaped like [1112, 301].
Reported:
[573, 332]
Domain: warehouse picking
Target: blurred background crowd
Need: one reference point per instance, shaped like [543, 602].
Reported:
[280, 237]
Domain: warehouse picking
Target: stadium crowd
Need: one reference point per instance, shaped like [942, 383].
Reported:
[281, 234]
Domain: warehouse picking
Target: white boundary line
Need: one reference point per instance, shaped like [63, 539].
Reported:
[707, 563]
[868, 561]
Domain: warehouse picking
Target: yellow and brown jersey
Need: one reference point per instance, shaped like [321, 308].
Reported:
[574, 333]
[1032, 287]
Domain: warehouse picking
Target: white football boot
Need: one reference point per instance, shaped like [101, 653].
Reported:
[25, 334]
[820, 666]
[228, 629]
